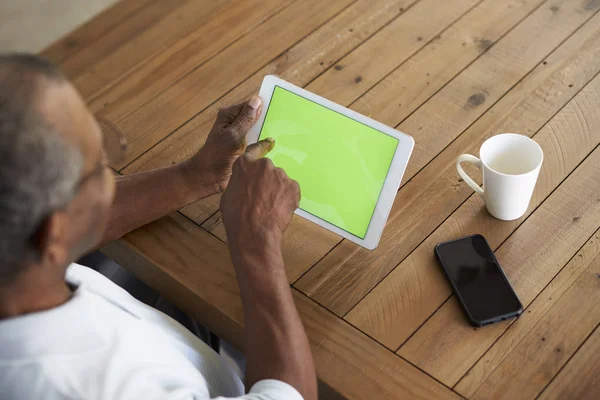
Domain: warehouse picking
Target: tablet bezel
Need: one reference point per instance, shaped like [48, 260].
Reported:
[392, 180]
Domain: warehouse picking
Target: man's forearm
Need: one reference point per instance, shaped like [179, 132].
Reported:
[276, 343]
[144, 197]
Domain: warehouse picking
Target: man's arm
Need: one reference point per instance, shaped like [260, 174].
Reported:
[276, 343]
[257, 207]
[144, 197]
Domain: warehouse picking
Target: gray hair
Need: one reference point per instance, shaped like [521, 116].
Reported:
[39, 170]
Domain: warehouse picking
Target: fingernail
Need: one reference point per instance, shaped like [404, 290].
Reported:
[271, 142]
[254, 102]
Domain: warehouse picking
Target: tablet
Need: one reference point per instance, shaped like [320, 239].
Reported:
[348, 166]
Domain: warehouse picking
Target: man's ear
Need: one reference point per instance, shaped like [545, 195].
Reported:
[50, 240]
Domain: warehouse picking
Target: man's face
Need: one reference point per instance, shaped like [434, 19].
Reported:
[87, 214]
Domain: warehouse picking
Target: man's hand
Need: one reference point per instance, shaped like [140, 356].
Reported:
[225, 143]
[260, 199]
[257, 207]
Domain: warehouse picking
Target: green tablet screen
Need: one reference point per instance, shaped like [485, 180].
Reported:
[339, 163]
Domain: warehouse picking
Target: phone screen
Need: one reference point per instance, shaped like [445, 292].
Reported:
[478, 279]
[340, 164]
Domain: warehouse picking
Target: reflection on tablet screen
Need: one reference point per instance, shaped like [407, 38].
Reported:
[339, 163]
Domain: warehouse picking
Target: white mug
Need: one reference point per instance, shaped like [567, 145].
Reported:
[510, 164]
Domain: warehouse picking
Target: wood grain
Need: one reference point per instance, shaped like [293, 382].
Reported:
[390, 47]
[343, 278]
[112, 40]
[446, 346]
[200, 88]
[175, 25]
[83, 36]
[193, 269]
[409, 86]
[299, 259]
[119, 97]
[487, 364]
[579, 379]
[390, 312]
[542, 352]
[341, 351]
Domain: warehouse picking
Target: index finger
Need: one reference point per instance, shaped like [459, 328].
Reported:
[260, 149]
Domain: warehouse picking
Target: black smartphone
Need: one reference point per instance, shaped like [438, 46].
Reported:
[478, 280]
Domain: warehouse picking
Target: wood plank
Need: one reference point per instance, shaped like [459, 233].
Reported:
[344, 277]
[579, 379]
[122, 96]
[110, 41]
[178, 23]
[446, 346]
[505, 15]
[300, 64]
[413, 83]
[193, 269]
[547, 347]
[434, 193]
[200, 88]
[84, 35]
[390, 47]
[358, 367]
[526, 322]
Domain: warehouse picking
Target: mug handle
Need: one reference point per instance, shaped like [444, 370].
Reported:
[463, 174]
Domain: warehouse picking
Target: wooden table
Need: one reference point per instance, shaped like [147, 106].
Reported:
[382, 324]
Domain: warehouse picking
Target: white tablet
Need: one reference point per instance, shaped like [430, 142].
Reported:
[348, 166]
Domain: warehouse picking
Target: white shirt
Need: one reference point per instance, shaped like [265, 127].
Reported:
[104, 344]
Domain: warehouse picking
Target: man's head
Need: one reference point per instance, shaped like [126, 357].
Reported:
[55, 192]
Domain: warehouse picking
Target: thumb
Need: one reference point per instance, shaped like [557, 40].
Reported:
[260, 149]
[247, 116]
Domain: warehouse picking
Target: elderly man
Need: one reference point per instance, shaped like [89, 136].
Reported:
[67, 332]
